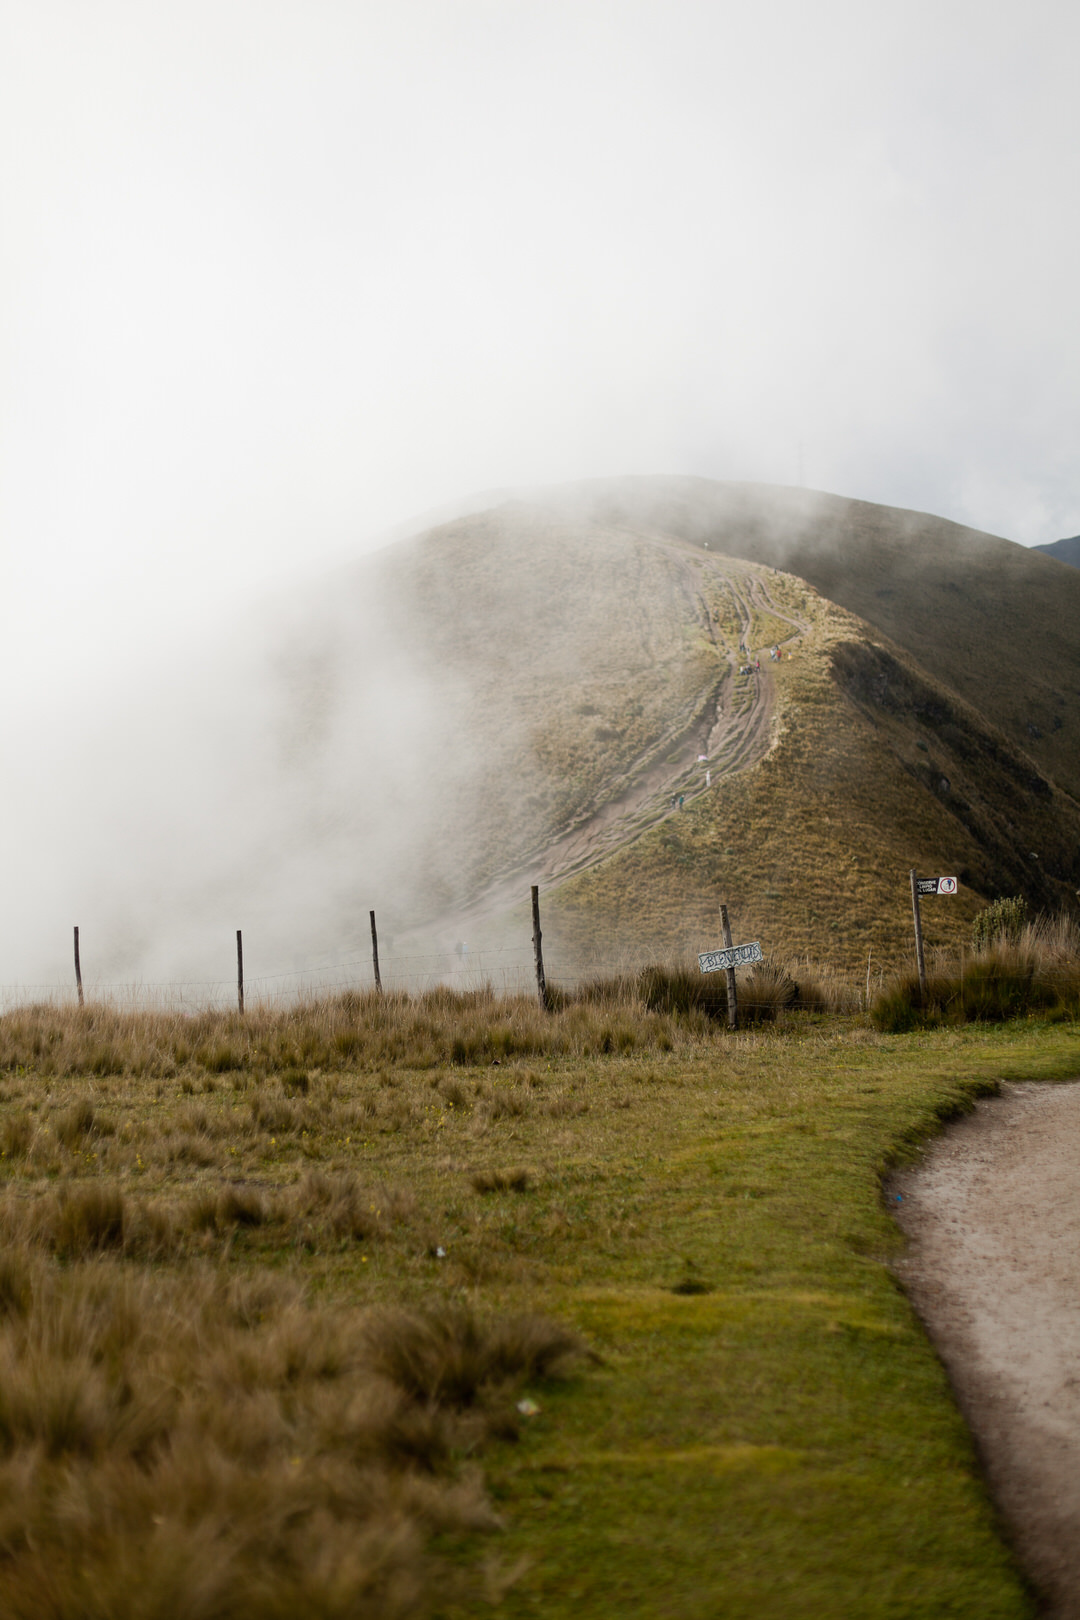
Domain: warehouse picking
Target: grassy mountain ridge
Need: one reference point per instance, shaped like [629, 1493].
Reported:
[993, 620]
[591, 667]
[811, 848]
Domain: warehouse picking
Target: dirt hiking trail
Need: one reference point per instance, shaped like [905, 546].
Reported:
[993, 1269]
[726, 730]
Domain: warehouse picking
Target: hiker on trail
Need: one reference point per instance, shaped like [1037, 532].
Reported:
[708, 778]
[680, 801]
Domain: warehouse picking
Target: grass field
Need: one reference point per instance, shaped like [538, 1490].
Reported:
[571, 1331]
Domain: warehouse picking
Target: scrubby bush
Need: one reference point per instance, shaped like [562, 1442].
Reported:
[1004, 919]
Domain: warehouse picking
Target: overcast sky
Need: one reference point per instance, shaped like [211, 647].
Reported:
[277, 274]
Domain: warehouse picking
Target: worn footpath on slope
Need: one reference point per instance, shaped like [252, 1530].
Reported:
[729, 737]
[993, 1268]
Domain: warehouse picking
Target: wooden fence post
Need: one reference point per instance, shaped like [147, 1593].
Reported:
[78, 970]
[375, 954]
[541, 982]
[918, 932]
[240, 971]
[732, 992]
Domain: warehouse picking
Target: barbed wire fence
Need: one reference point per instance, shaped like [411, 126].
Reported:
[503, 970]
[508, 969]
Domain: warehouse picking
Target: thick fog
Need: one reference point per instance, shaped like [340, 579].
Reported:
[276, 278]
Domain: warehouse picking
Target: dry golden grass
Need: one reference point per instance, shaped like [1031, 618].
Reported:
[265, 1329]
[1035, 971]
[84, 1216]
[626, 1012]
[209, 1444]
[365, 1029]
[184, 1426]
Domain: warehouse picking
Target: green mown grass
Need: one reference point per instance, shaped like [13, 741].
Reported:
[765, 1430]
[786, 1442]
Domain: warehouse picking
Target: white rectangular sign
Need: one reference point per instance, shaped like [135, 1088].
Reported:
[734, 956]
[938, 885]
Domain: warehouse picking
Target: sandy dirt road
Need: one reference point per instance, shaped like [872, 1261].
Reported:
[993, 1269]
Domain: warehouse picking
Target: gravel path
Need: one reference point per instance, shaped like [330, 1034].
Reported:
[993, 1269]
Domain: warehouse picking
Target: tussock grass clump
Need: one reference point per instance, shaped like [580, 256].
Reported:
[351, 1210]
[16, 1134]
[767, 991]
[449, 1357]
[487, 1181]
[682, 990]
[75, 1125]
[1038, 971]
[210, 1446]
[95, 1215]
[87, 1218]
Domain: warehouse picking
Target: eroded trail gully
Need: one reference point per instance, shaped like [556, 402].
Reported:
[727, 730]
[724, 729]
[993, 1269]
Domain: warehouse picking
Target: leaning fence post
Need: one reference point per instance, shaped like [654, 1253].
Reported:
[78, 970]
[732, 993]
[375, 954]
[538, 953]
[918, 932]
[240, 970]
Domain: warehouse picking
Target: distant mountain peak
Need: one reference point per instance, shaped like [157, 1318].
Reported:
[1066, 551]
